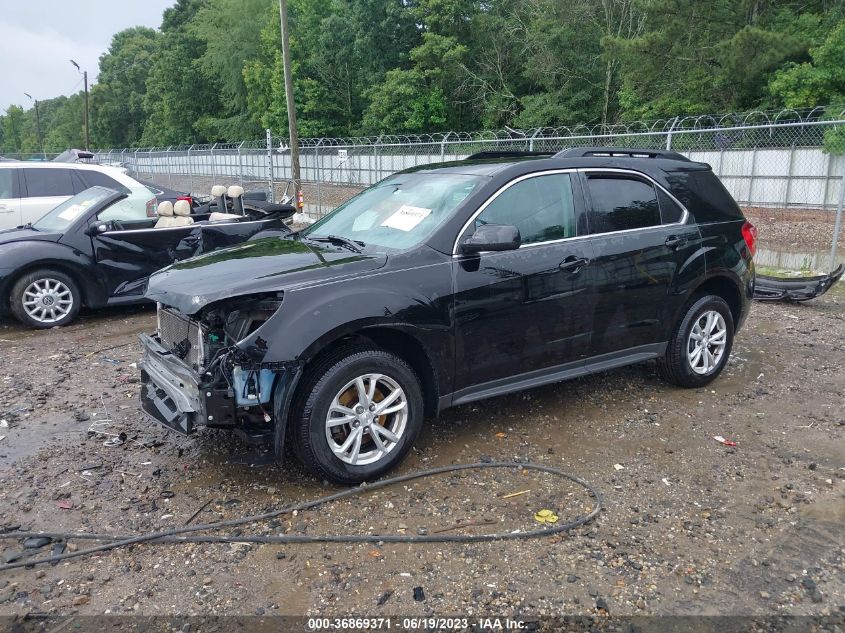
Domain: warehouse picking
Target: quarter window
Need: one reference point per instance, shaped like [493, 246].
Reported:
[670, 212]
[542, 208]
[44, 183]
[6, 178]
[620, 204]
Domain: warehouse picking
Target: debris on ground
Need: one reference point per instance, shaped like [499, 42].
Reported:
[722, 440]
[546, 516]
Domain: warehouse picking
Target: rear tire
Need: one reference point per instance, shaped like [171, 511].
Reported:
[44, 299]
[700, 345]
[357, 415]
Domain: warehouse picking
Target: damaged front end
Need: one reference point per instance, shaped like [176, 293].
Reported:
[768, 288]
[194, 373]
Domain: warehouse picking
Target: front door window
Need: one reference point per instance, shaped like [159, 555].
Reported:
[541, 207]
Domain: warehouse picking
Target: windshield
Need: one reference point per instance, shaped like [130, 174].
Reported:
[63, 215]
[399, 212]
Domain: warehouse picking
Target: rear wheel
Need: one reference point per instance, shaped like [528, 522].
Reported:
[700, 345]
[358, 415]
[44, 299]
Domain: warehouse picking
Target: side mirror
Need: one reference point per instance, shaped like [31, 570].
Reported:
[97, 228]
[492, 237]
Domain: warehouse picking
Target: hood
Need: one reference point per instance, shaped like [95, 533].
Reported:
[8, 236]
[264, 265]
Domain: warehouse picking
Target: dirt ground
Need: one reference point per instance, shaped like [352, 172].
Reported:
[689, 526]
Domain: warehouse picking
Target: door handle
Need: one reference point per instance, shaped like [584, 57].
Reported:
[675, 241]
[191, 240]
[573, 264]
[5, 209]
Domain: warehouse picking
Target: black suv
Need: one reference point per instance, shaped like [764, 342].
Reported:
[446, 284]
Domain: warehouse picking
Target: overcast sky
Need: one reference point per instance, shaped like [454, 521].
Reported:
[40, 36]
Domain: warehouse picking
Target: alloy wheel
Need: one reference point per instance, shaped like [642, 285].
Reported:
[366, 419]
[707, 341]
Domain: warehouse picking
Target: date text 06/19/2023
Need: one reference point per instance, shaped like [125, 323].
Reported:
[415, 623]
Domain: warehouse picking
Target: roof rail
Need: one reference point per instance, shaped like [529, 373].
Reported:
[505, 153]
[620, 152]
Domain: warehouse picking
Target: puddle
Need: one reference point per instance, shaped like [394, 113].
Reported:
[26, 438]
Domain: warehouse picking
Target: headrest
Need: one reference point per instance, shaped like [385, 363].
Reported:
[218, 190]
[235, 191]
[165, 209]
[182, 208]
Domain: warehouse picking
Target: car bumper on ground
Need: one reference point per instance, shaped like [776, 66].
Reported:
[787, 289]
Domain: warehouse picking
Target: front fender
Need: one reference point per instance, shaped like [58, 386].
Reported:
[18, 258]
[416, 302]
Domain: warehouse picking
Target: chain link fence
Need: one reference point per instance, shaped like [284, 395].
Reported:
[30, 156]
[785, 168]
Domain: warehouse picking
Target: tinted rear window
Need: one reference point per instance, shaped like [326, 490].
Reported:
[96, 178]
[620, 204]
[43, 183]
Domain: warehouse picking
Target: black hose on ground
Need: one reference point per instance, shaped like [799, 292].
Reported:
[172, 535]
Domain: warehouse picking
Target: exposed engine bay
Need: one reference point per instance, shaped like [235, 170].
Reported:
[194, 372]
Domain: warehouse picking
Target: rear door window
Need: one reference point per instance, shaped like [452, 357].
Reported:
[621, 204]
[46, 183]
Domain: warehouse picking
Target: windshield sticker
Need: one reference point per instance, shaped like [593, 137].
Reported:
[406, 218]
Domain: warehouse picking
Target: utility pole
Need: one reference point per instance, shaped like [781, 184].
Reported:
[37, 125]
[85, 79]
[294, 139]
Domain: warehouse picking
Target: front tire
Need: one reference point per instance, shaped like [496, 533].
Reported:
[358, 414]
[700, 345]
[45, 298]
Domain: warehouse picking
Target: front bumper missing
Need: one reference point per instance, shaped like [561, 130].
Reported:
[170, 390]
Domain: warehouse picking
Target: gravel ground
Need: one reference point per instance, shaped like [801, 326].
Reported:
[794, 230]
[690, 526]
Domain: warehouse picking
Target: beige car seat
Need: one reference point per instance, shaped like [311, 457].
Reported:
[235, 193]
[182, 211]
[218, 192]
[165, 215]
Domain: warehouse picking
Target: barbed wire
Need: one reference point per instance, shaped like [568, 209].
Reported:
[675, 125]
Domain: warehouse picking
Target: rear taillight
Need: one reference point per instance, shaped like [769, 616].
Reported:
[152, 207]
[189, 199]
[749, 234]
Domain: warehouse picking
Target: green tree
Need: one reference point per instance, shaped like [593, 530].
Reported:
[406, 102]
[340, 49]
[229, 31]
[13, 128]
[820, 81]
[703, 56]
[178, 94]
[62, 123]
[117, 99]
